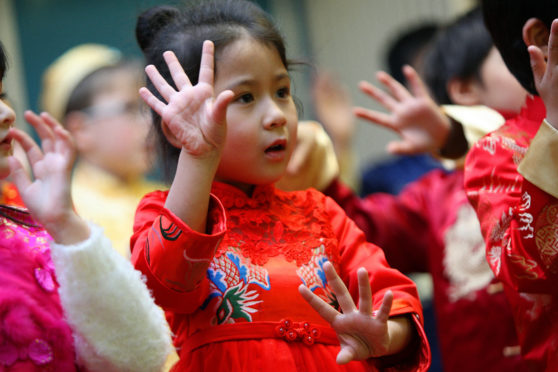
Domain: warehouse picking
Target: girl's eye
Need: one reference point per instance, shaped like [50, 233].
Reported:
[246, 98]
[283, 92]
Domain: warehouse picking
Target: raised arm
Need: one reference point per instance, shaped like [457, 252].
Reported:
[48, 195]
[545, 74]
[335, 112]
[194, 121]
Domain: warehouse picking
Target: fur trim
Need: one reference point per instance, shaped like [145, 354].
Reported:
[116, 322]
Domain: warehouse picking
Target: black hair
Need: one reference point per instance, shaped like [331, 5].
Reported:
[407, 47]
[183, 30]
[457, 52]
[3, 62]
[87, 89]
[505, 20]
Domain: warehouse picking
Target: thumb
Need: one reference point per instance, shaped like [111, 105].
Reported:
[18, 175]
[538, 64]
[220, 106]
[345, 355]
[402, 148]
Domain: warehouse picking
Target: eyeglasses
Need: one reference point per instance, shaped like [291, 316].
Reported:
[135, 108]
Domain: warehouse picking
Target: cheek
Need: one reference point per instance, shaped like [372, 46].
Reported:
[506, 93]
[241, 128]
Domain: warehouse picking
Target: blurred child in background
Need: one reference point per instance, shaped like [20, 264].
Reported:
[92, 89]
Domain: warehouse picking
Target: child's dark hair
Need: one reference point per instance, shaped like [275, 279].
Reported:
[457, 52]
[505, 19]
[3, 62]
[407, 47]
[184, 30]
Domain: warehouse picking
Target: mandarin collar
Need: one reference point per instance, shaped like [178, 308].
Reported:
[233, 197]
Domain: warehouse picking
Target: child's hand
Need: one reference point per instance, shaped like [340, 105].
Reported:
[313, 162]
[360, 334]
[545, 74]
[334, 109]
[416, 117]
[48, 196]
[196, 120]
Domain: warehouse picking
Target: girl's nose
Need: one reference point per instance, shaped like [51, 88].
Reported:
[275, 116]
[7, 115]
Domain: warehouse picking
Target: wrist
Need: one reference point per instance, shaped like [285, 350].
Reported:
[399, 333]
[455, 145]
[68, 229]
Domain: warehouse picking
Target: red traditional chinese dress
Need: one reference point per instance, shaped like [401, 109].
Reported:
[431, 227]
[246, 314]
[520, 224]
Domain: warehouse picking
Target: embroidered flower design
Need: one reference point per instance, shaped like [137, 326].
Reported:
[230, 277]
[40, 352]
[272, 223]
[45, 279]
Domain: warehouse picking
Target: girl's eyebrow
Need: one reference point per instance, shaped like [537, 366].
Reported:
[251, 81]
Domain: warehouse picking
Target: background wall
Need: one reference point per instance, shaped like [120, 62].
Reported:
[348, 38]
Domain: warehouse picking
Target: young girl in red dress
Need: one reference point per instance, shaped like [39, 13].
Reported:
[254, 278]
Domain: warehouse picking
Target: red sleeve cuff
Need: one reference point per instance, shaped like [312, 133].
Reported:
[173, 250]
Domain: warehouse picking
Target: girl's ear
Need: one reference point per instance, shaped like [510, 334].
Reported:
[536, 33]
[465, 92]
[170, 136]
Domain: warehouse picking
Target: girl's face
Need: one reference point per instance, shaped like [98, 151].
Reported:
[7, 118]
[261, 119]
[117, 128]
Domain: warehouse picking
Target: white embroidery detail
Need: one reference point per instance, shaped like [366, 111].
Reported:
[465, 261]
[494, 257]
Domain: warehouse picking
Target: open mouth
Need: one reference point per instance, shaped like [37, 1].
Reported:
[6, 141]
[279, 145]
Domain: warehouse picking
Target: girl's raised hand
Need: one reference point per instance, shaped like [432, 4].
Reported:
[361, 334]
[334, 109]
[414, 116]
[545, 74]
[48, 194]
[195, 118]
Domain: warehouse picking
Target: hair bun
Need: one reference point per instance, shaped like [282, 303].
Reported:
[151, 21]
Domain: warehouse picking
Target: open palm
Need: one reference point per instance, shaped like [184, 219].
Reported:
[361, 334]
[545, 74]
[47, 195]
[194, 117]
[413, 115]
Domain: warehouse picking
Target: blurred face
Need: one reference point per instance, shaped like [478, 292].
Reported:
[117, 126]
[500, 90]
[261, 119]
[7, 118]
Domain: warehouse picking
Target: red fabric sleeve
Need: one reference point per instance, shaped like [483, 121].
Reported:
[173, 257]
[518, 220]
[356, 252]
